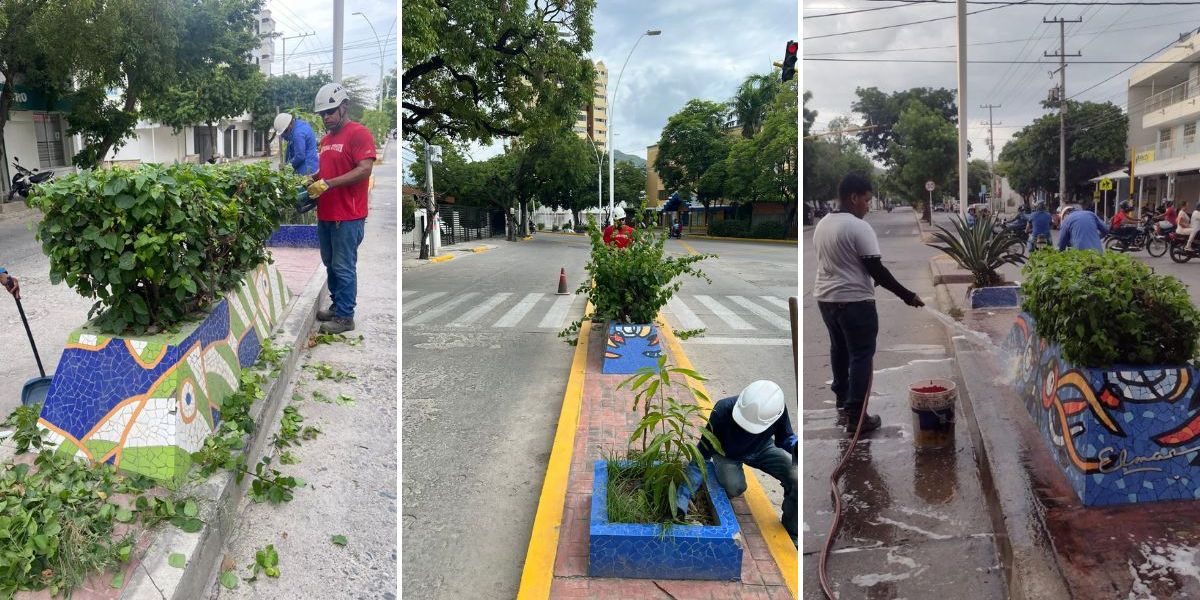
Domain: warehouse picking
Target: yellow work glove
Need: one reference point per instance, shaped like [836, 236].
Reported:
[317, 188]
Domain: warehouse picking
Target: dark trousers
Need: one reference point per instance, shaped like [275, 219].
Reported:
[773, 461]
[852, 327]
[339, 253]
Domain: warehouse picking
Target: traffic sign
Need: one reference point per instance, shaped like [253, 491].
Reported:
[929, 186]
[1106, 184]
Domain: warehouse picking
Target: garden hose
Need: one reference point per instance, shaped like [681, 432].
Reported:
[822, 566]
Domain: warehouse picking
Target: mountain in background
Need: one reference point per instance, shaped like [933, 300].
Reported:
[636, 161]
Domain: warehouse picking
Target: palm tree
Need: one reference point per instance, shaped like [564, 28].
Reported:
[751, 102]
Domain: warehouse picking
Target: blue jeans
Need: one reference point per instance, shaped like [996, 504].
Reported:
[852, 327]
[339, 253]
[773, 461]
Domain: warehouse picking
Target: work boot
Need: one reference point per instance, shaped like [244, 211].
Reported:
[325, 314]
[337, 325]
[841, 403]
[871, 423]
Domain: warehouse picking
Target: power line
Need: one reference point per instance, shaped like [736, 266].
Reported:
[982, 10]
[852, 12]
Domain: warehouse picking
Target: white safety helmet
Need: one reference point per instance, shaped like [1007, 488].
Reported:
[1065, 210]
[282, 120]
[330, 96]
[758, 406]
[618, 213]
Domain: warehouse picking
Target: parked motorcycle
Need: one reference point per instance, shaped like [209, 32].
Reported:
[1134, 240]
[24, 180]
[1180, 253]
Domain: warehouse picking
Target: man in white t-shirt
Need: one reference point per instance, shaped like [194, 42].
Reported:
[849, 266]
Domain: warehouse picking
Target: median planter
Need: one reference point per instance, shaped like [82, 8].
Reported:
[1121, 434]
[145, 403]
[645, 551]
[295, 236]
[629, 348]
[1000, 296]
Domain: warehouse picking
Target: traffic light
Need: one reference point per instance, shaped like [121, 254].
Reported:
[789, 60]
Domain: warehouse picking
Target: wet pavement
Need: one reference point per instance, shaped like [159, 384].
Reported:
[916, 523]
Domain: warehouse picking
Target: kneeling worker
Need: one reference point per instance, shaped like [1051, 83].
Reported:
[753, 428]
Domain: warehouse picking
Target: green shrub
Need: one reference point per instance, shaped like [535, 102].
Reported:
[979, 249]
[729, 228]
[1104, 309]
[554, 227]
[769, 230]
[157, 243]
[541, 226]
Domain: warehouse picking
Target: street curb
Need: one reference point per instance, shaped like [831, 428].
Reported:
[737, 239]
[480, 249]
[442, 258]
[220, 496]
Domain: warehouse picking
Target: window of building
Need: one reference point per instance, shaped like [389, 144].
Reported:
[259, 140]
[1189, 133]
[257, 30]
[1164, 135]
[598, 120]
[49, 140]
[245, 142]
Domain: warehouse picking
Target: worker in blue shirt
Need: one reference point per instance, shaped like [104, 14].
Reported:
[1039, 224]
[302, 143]
[1080, 229]
[753, 428]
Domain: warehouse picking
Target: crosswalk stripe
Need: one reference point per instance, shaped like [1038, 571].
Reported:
[776, 301]
[518, 312]
[558, 313]
[763, 313]
[472, 315]
[731, 341]
[723, 313]
[687, 319]
[423, 300]
[437, 312]
[404, 293]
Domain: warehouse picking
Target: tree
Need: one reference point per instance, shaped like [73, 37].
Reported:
[692, 142]
[775, 148]
[882, 113]
[752, 100]
[284, 93]
[630, 183]
[924, 147]
[224, 91]
[479, 70]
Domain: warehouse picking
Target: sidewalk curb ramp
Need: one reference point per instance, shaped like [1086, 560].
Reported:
[219, 496]
[1023, 541]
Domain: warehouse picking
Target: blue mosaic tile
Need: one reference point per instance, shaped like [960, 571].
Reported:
[295, 236]
[628, 348]
[996, 297]
[1121, 435]
[641, 551]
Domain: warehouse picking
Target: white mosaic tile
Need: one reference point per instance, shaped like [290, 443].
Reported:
[195, 362]
[214, 364]
[88, 339]
[114, 427]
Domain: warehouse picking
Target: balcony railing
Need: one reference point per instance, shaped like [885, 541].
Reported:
[1175, 94]
[1170, 149]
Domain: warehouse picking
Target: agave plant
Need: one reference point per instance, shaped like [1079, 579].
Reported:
[979, 248]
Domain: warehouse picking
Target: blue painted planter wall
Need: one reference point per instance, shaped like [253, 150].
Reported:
[295, 236]
[1121, 435]
[1006, 296]
[629, 348]
[640, 551]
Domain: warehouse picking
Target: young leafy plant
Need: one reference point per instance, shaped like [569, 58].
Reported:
[270, 485]
[979, 248]
[266, 561]
[26, 435]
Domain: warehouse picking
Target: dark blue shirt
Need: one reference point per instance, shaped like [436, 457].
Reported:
[739, 443]
[1082, 230]
[302, 148]
[1041, 222]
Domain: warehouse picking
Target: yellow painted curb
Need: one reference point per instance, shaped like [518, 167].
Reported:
[778, 541]
[538, 572]
[442, 258]
[479, 249]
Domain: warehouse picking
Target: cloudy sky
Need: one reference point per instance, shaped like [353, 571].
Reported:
[360, 54]
[705, 51]
[1011, 33]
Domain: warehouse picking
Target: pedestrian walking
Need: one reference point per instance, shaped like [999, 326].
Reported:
[346, 157]
[1080, 229]
[301, 144]
[753, 429]
[849, 265]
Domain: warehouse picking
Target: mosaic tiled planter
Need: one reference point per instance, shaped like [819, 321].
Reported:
[1121, 435]
[1000, 296]
[295, 236]
[628, 348]
[145, 404]
[641, 551]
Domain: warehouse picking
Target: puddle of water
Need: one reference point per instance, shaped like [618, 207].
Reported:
[1009, 363]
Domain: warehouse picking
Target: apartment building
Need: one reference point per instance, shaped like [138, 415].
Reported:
[592, 120]
[1164, 110]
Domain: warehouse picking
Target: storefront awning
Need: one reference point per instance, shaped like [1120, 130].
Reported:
[1118, 174]
[1178, 164]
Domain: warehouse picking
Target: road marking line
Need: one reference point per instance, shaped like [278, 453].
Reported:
[538, 572]
[558, 313]
[472, 315]
[764, 314]
[518, 312]
[438, 311]
[776, 301]
[732, 341]
[683, 314]
[723, 313]
[776, 537]
[688, 247]
[423, 300]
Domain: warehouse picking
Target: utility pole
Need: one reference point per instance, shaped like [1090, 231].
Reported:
[1062, 100]
[992, 151]
[962, 111]
[427, 245]
[339, 17]
[294, 37]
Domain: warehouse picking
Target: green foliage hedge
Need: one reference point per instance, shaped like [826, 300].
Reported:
[770, 230]
[157, 243]
[1105, 309]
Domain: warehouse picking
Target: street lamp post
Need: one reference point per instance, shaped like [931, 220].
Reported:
[611, 111]
[379, 106]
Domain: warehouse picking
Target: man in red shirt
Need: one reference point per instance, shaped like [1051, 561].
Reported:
[618, 233]
[346, 155]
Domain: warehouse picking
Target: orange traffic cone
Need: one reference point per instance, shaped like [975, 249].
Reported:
[562, 282]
